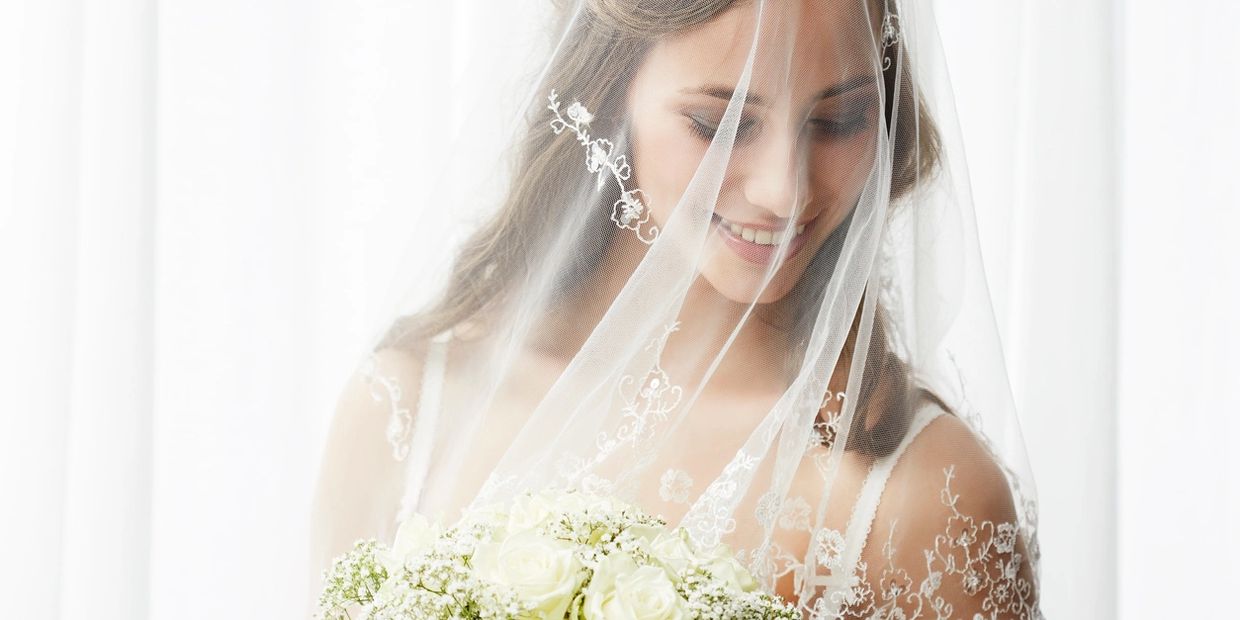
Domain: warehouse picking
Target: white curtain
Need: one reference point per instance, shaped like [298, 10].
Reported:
[1179, 324]
[1036, 86]
[203, 204]
[1102, 146]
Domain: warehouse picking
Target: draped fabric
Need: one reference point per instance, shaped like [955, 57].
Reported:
[724, 265]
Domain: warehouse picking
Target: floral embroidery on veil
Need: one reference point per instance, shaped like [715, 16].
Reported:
[630, 211]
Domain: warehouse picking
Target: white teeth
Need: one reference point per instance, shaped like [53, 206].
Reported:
[760, 236]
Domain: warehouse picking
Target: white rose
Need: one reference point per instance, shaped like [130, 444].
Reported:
[577, 502]
[673, 550]
[544, 572]
[643, 536]
[622, 590]
[413, 537]
[493, 515]
[530, 511]
[724, 566]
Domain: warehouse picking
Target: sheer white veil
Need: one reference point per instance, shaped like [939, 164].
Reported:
[718, 258]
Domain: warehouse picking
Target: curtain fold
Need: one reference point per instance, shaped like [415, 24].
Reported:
[107, 505]
[76, 263]
[39, 218]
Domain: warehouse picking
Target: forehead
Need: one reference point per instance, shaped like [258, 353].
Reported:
[803, 46]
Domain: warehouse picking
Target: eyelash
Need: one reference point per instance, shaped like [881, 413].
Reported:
[707, 132]
[830, 128]
[849, 126]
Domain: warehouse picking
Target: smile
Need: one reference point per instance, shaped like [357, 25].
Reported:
[761, 245]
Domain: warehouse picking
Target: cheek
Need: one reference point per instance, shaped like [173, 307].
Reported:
[665, 158]
[840, 170]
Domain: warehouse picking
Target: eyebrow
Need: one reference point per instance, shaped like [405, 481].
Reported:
[725, 93]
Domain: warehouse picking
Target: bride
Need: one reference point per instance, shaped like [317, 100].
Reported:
[734, 279]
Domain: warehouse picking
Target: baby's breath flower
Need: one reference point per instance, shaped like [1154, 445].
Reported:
[353, 579]
[500, 564]
[710, 598]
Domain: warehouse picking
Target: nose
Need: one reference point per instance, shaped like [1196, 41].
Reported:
[773, 175]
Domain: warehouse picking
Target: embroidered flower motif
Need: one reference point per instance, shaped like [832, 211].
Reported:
[961, 532]
[579, 114]
[827, 426]
[399, 428]
[674, 486]
[971, 582]
[645, 404]
[630, 211]
[889, 33]
[895, 583]
[571, 468]
[1005, 538]
[794, 515]
[1001, 593]
[768, 509]
[654, 399]
[977, 557]
[598, 159]
[829, 549]
[596, 485]
[711, 516]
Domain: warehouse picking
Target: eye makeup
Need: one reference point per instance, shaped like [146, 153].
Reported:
[846, 121]
[705, 125]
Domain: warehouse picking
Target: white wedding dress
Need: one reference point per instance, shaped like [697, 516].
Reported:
[407, 441]
[724, 267]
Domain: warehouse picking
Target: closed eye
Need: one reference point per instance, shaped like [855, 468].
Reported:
[839, 127]
[706, 128]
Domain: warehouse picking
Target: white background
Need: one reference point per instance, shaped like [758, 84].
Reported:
[181, 181]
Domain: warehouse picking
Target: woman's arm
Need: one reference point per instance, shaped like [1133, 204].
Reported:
[946, 540]
[361, 475]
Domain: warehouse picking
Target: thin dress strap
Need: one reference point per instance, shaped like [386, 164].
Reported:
[862, 518]
[426, 420]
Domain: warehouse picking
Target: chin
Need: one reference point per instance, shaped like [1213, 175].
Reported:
[741, 281]
[746, 286]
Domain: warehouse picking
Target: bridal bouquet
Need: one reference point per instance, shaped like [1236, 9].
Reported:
[553, 555]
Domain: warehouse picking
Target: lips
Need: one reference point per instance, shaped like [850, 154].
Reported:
[761, 245]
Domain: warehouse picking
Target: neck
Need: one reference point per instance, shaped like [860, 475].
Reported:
[706, 318]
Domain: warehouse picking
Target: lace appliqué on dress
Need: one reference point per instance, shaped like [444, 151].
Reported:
[630, 211]
[674, 486]
[978, 556]
[382, 389]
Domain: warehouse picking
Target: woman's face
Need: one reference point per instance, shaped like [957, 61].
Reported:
[804, 145]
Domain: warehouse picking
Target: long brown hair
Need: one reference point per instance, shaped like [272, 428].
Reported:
[598, 55]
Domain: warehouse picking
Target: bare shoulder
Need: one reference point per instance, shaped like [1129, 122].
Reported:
[378, 402]
[361, 472]
[947, 516]
[948, 454]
